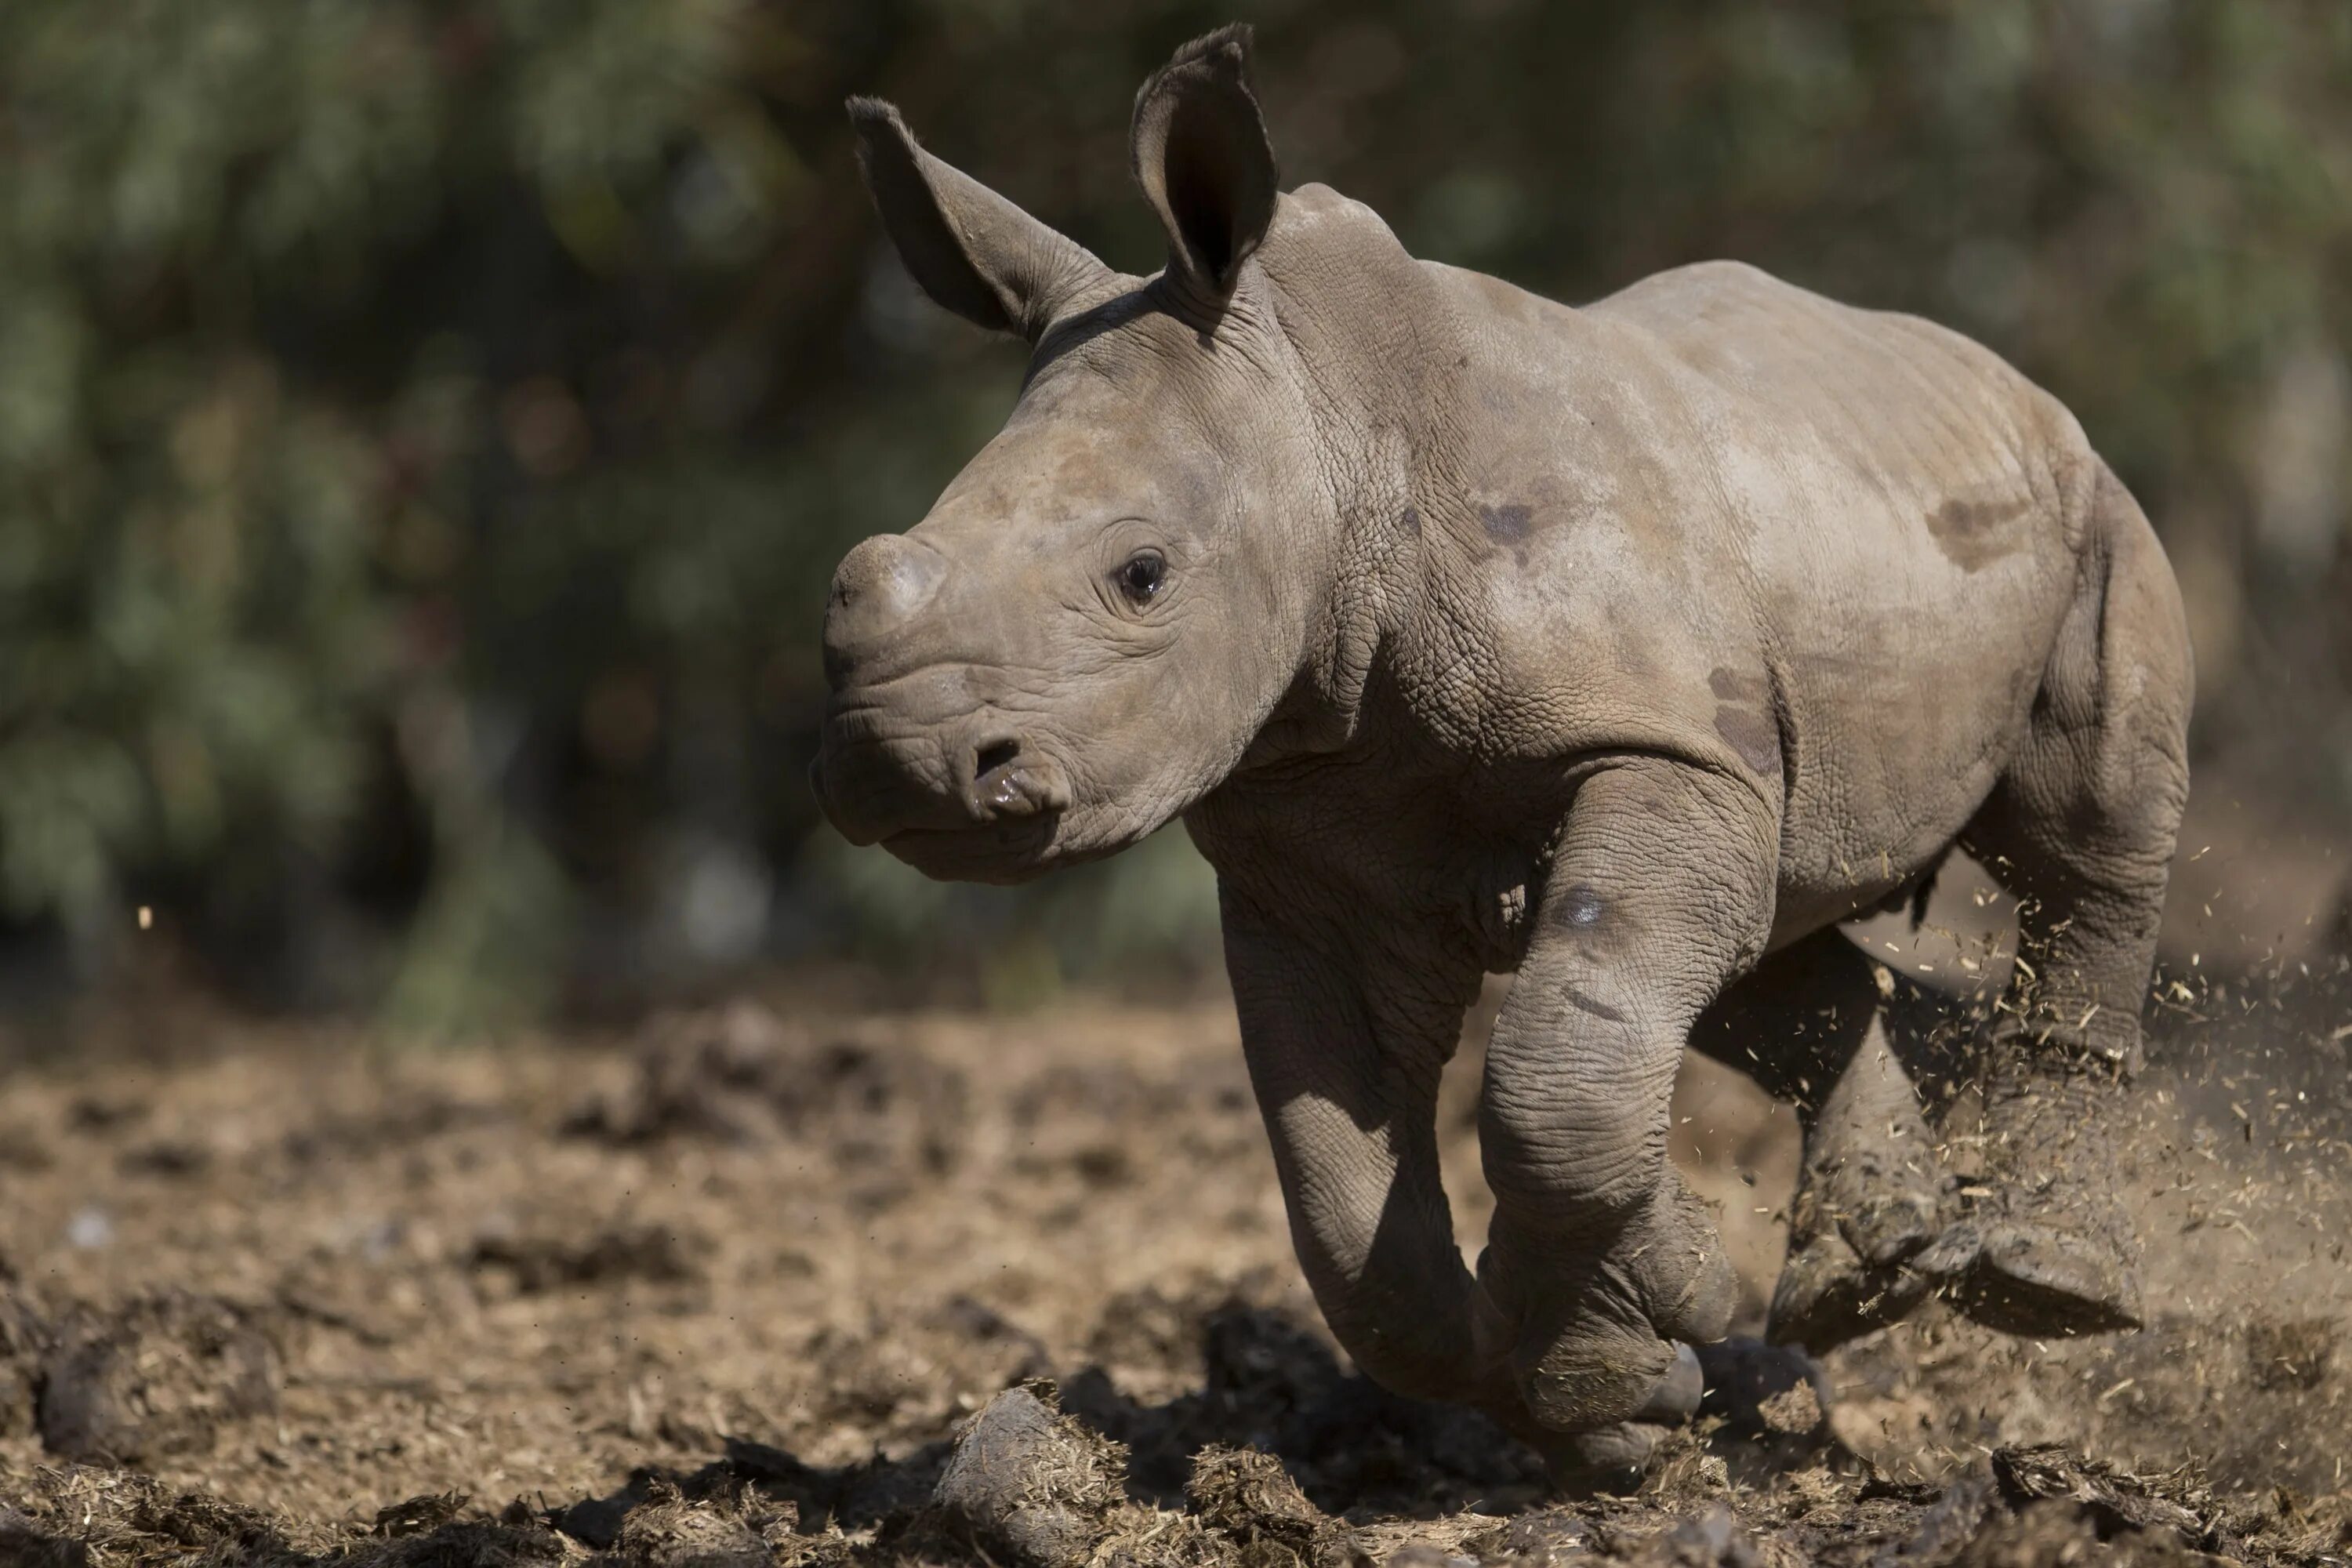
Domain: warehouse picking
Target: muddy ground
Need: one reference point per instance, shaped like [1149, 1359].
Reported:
[725, 1290]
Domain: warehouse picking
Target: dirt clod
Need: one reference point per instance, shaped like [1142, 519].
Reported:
[27, 1545]
[654, 1254]
[1709, 1540]
[744, 1075]
[1028, 1484]
[1247, 1497]
[23, 1343]
[1760, 1387]
[152, 1377]
[419, 1514]
[123, 1517]
[2293, 1353]
[458, 1544]
[1793, 1410]
[728, 1528]
[2063, 1534]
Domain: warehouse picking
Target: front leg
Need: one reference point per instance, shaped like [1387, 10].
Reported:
[1660, 892]
[1345, 1052]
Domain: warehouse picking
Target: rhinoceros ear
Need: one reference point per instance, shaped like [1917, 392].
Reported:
[969, 248]
[1201, 155]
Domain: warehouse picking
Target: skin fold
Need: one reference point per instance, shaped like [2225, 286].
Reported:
[1629, 649]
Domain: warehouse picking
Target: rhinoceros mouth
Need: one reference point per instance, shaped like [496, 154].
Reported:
[1012, 850]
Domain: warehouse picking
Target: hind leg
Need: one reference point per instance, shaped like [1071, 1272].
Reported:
[1873, 1199]
[2082, 827]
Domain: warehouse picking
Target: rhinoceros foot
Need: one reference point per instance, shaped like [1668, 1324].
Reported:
[1872, 1230]
[1827, 1294]
[2038, 1277]
[2059, 1255]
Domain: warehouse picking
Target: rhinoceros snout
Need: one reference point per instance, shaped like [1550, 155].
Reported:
[914, 743]
[878, 590]
[960, 776]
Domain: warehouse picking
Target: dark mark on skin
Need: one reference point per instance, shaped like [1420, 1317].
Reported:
[1969, 532]
[1510, 527]
[1506, 524]
[1753, 736]
[1580, 906]
[1583, 1003]
[1411, 521]
[1731, 685]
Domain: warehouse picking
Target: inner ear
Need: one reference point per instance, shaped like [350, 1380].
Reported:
[969, 248]
[1202, 170]
[1201, 155]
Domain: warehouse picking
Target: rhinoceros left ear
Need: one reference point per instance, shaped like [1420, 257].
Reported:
[969, 248]
[1201, 155]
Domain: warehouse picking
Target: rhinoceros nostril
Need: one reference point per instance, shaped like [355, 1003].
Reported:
[1007, 782]
[992, 756]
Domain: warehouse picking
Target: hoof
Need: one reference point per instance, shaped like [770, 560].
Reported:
[1871, 1229]
[1678, 1396]
[2039, 1278]
[1612, 1459]
[1827, 1294]
[2059, 1255]
[1609, 1462]
[1894, 1226]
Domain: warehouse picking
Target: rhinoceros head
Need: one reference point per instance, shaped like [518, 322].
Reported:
[1101, 613]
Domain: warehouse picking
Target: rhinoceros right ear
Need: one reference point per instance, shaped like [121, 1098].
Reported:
[1201, 152]
[969, 248]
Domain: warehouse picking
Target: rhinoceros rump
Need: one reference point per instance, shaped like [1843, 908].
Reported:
[1629, 647]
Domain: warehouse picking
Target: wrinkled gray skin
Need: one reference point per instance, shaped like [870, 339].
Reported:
[1629, 648]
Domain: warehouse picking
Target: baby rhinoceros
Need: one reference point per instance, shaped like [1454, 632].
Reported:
[1629, 648]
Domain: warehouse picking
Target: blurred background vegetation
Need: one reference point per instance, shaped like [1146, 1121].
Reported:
[427, 427]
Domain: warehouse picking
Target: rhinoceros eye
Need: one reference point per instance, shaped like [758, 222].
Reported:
[1141, 577]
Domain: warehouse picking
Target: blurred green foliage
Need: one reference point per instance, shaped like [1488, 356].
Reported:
[427, 427]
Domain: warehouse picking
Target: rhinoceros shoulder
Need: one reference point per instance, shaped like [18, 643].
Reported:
[1753, 333]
